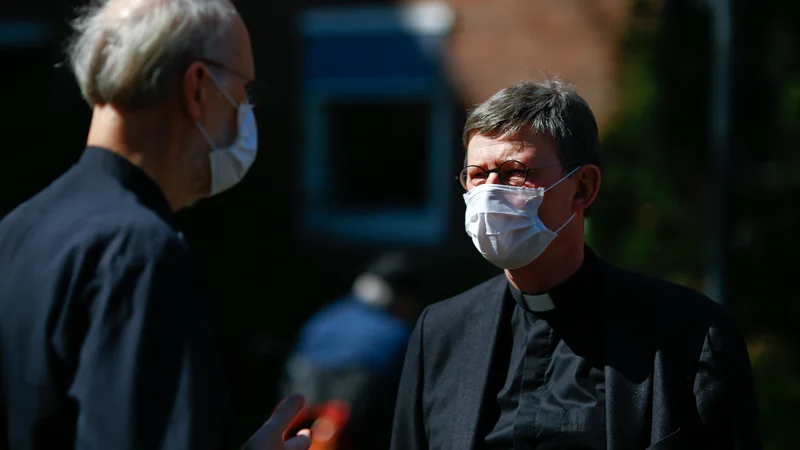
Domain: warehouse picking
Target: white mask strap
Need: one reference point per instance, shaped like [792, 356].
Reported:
[565, 223]
[551, 187]
[205, 134]
[219, 88]
[562, 179]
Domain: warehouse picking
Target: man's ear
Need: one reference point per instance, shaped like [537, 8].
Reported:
[193, 89]
[589, 179]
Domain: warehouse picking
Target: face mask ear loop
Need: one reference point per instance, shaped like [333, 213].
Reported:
[565, 224]
[219, 88]
[554, 185]
[205, 135]
[562, 179]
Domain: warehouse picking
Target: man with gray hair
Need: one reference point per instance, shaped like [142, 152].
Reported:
[105, 340]
[563, 350]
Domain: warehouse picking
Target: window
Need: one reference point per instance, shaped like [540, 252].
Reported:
[375, 148]
[378, 124]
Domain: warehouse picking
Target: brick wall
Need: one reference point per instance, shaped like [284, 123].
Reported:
[500, 42]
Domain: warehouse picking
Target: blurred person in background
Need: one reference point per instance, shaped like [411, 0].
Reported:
[105, 337]
[348, 356]
[564, 350]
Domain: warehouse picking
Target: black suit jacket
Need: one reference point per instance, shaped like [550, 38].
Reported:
[677, 372]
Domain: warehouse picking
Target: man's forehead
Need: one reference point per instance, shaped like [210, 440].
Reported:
[131, 6]
[240, 48]
[523, 146]
[123, 9]
[497, 144]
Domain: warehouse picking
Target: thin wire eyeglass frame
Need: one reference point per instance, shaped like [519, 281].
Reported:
[462, 178]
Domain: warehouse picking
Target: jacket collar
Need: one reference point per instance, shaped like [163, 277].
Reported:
[131, 177]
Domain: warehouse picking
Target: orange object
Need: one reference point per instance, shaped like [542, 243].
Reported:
[326, 421]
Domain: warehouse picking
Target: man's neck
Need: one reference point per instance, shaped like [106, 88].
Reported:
[139, 139]
[553, 267]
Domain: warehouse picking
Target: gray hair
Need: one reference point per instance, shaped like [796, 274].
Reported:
[136, 59]
[551, 108]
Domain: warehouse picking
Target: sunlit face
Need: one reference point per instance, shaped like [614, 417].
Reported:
[227, 84]
[215, 95]
[538, 153]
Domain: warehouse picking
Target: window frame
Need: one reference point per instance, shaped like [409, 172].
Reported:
[426, 225]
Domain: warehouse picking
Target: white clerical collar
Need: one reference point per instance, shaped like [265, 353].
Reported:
[538, 303]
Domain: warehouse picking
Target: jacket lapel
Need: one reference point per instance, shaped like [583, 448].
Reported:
[475, 361]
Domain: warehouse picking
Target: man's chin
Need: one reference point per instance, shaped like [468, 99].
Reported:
[197, 196]
[192, 203]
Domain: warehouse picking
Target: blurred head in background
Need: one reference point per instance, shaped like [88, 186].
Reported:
[171, 84]
[392, 282]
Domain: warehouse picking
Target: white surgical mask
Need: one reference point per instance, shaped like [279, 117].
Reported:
[503, 222]
[230, 164]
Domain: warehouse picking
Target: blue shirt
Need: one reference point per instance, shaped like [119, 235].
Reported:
[350, 334]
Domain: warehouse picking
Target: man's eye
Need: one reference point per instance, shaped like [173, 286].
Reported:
[533, 174]
[515, 173]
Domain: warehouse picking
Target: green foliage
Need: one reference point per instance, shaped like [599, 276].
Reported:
[654, 206]
[775, 368]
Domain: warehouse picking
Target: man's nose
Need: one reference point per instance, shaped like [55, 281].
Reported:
[494, 178]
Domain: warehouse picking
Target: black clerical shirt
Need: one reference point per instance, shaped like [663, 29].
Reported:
[105, 340]
[553, 396]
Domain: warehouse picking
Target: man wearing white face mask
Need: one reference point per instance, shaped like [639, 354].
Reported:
[563, 350]
[105, 338]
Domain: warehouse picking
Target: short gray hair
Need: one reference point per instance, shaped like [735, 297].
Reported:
[550, 107]
[137, 59]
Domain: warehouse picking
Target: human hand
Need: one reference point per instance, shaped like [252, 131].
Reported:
[270, 436]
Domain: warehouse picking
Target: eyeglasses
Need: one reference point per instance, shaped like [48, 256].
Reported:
[511, 173]
[255, 90]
